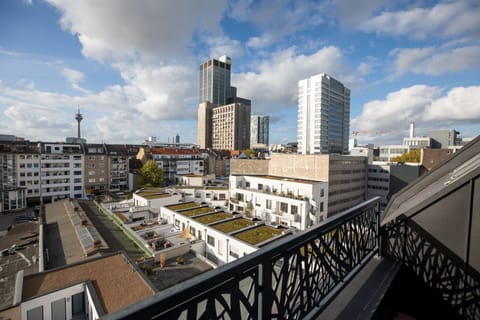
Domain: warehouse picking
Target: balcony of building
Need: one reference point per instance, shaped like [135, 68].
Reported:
[420, 259]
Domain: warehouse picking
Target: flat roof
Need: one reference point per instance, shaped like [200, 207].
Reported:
[25, 237]
[117, 282]
[153, 195]
[181, 206]
[295, 180]
[196, 211]
[61, 239]
[213, 217]
[258, 235]
[233, 225]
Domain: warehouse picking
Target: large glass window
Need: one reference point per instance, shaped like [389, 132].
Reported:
[211, 241]
[78, 304]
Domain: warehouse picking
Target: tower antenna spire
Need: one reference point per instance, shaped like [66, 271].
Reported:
[79, 118]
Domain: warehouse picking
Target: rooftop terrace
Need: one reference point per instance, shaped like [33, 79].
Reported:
[214, 217]
[233, 225]
[258, 234]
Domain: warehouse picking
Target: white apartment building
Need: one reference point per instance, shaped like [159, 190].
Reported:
[323, 115]
[28, 173]
[378, 182]
[177, 161]
[61, 171]
[225, 234]
[392, 151]
[297, 203]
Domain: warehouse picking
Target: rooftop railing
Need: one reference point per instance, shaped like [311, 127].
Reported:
[290, 278]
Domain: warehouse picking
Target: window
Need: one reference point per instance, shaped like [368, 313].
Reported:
[234, 254]
[35, 313]
[322, 192]
[260, 186]
[293, 209]
[211, 241]
[77, 173]
[247, 184]
[283, 206]
[321, 206]
[91, 180]
[78, 304]
[268, 204]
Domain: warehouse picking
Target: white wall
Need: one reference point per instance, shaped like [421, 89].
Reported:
[46, 301]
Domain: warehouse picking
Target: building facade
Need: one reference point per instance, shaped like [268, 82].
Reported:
[323, 115]
[259, 130]
[215, 81]
[346, 175]
[204, 125]
[231, 126]
[96, 168]
[176, 161]
[294, 203]
[61, 171]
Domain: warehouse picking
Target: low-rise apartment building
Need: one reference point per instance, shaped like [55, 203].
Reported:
[346, 175]
[297, 203]
[174, 161]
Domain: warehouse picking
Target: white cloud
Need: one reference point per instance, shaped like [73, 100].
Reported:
[274, 86]
[435, 61]
[223, 45]
[260, 42]
[74, 77]
[461, 104]
[146, 30]
[37, 121]
[426, 106]
[278, 19]
[443, 20]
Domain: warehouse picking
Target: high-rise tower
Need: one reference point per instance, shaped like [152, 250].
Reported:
[223, 118]
[215, 81]
[259, 130]
[79, 118]
[323, 115]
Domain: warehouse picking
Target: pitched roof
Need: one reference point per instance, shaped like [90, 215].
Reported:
[116, 281]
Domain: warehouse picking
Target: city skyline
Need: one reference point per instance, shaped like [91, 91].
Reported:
[139, 78]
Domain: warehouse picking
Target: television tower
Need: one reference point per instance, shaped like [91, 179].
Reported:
[79, 118]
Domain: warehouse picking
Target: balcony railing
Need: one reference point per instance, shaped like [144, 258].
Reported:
[288, 279]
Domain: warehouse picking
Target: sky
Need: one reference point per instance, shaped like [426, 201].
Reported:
[132, 67]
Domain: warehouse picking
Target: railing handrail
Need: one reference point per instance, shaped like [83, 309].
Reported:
[198, 285]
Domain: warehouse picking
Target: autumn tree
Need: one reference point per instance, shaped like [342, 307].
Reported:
[249, 152]
[410, 156]
[152, 175]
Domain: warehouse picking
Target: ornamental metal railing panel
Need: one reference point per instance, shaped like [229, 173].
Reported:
[449, 274]
[288, 279]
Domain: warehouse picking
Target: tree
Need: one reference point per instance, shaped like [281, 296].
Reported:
[249, 152]
[152, 175]
[410, 156]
